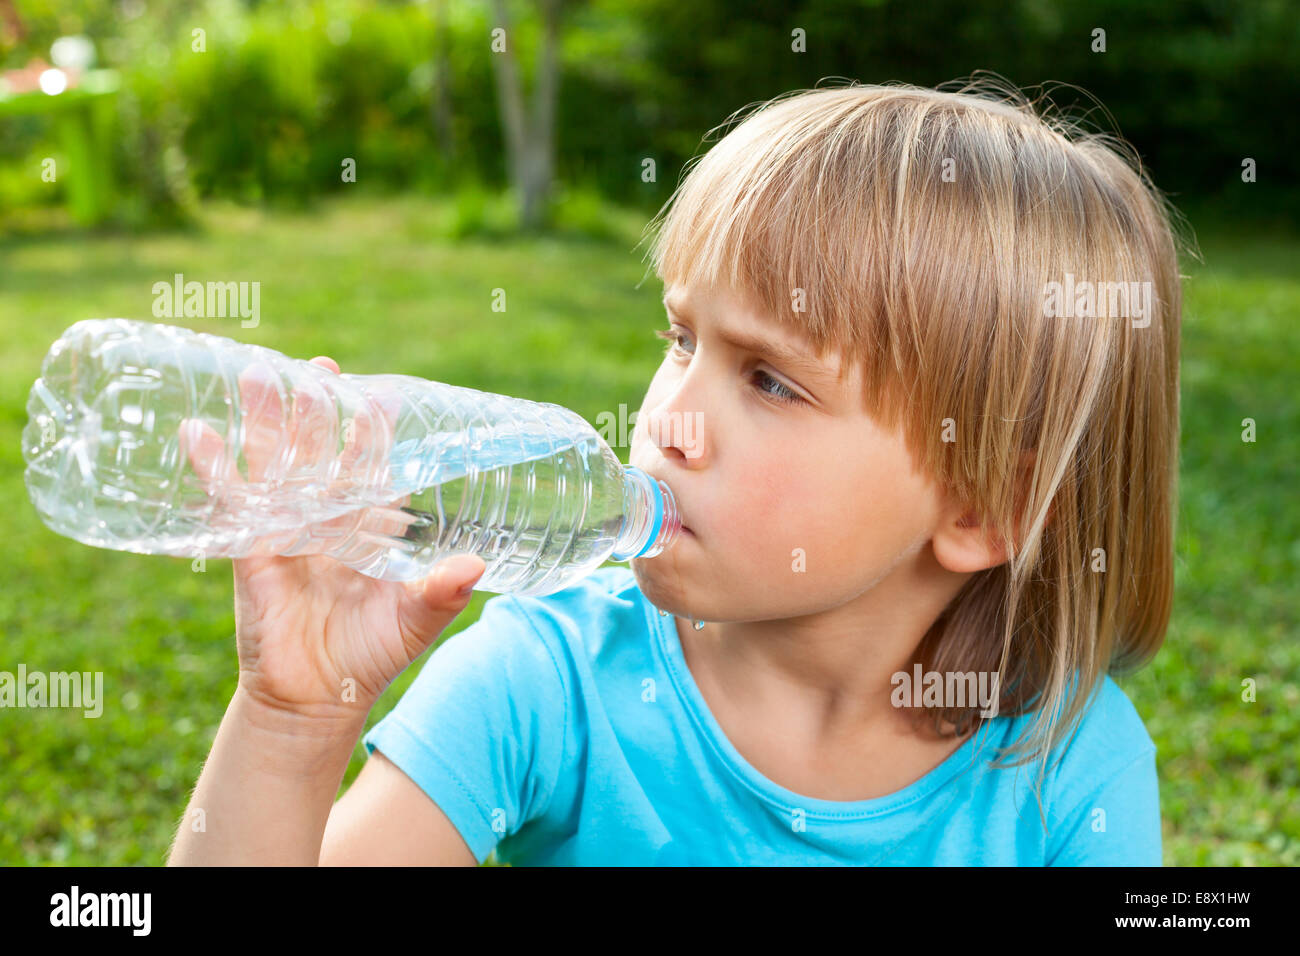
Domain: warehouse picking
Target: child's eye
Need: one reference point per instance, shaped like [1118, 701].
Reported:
[668, 334]
[779, 392]
[776, 390]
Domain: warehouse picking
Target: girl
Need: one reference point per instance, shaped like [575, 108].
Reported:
[929, 512]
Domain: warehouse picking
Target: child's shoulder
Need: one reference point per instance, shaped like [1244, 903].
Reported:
[604, 605]
[1109, 738]
[1111, 722]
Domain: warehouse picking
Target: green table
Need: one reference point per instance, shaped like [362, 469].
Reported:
[83, 117]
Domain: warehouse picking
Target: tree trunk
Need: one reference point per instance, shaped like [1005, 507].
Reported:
[442, 86]
[530, 134]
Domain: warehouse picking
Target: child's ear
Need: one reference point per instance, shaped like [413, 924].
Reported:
[964, 543]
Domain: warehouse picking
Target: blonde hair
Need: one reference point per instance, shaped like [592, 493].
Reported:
[923, 227]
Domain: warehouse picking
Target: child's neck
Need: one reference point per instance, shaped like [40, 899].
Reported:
[830, 675]
[810, 752]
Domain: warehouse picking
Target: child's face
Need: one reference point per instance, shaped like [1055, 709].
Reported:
[795, 508]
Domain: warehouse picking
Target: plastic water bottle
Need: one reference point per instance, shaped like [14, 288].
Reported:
[160, 440]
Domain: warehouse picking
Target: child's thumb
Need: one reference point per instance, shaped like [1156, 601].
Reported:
[434, 602]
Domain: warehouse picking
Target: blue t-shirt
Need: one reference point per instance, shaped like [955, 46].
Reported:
[567, 729]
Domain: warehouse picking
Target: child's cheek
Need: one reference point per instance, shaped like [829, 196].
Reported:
[775, 510]
[852, 509]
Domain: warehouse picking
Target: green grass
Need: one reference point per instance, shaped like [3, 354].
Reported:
[381, 286]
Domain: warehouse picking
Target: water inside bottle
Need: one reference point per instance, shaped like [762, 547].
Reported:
[529, 511]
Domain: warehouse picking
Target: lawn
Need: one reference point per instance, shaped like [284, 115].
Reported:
[380, 286]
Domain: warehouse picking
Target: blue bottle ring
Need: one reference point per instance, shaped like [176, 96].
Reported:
[659, 512]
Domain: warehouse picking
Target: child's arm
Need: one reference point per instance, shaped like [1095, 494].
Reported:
[266, 795]
[318, 644]
[266, 790]
[386, 819]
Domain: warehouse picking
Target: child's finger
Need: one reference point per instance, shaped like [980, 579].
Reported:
[391, 520]
[208, 455]
[262, 412]
[369, 434]
[431, 603]
[358, 433]
[313, 424]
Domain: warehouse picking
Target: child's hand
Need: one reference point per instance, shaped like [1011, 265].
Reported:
[315, 637]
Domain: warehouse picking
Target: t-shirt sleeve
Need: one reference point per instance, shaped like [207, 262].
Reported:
[1118, 824]
[481, 729]
[1108, 812]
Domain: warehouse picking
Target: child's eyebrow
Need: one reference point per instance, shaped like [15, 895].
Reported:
[795, 360]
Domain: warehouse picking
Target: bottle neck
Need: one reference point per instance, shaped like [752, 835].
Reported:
[650, 519]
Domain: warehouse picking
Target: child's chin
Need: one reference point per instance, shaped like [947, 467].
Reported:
[659, 582]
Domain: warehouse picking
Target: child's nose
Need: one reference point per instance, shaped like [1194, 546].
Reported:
[679, 433]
